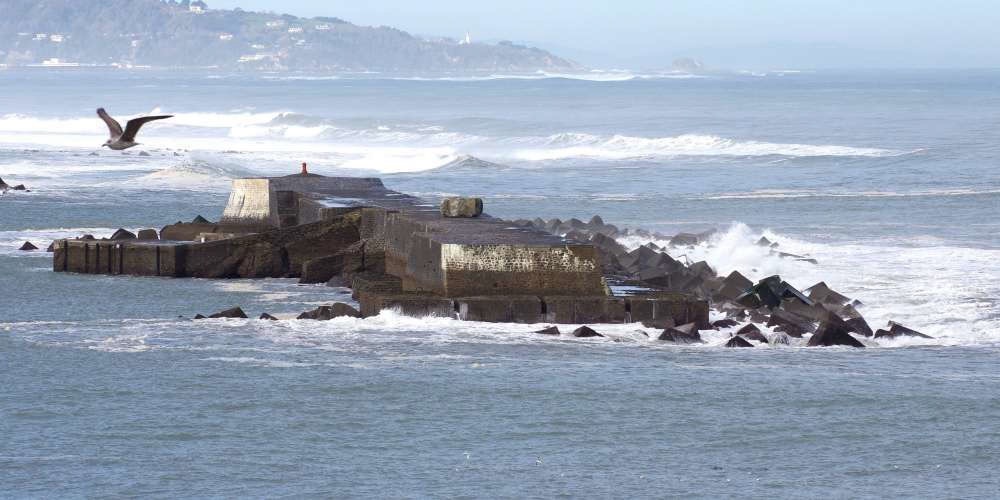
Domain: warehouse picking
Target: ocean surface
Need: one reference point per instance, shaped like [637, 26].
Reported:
[890, 180]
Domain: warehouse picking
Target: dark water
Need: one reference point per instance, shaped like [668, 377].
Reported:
[413, 417]
[888, 179]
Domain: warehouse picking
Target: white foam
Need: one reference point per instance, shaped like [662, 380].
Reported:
[384, 148]
[574, 145]
[278, 131]
[10, 241]
[779, 194]
[120, 343]
[945, 291]
[195, 174]
[263, 362]
[217, 120]
[91, 124]
[56, 173]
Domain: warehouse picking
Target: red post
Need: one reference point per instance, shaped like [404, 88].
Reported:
[305, 171]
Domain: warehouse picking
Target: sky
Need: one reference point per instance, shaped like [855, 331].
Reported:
[724, 34]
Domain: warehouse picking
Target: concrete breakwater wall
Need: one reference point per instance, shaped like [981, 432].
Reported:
[276, 253]
[394, 250]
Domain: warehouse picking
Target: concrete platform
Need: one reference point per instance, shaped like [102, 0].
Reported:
[402, 252]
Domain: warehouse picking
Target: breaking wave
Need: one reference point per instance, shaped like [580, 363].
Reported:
[469, 162]
[780, 194]
[283, 131]
[23, 124]
[572, 145]
[948, 292]
[195, 174]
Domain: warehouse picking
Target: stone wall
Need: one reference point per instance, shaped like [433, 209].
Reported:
[117, 257]
[654, 311]
[275, 253]
[518, 269]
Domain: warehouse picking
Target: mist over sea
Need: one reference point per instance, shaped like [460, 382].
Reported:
[888, 179]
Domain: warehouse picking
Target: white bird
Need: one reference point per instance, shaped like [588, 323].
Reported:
[124, 139]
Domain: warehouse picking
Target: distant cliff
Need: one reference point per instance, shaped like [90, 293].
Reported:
[165, 33]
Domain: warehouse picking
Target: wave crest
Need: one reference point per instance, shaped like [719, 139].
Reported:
[574, 145]
[194, 174]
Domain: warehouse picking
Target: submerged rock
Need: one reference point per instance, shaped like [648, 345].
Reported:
[267, 317]
[898, 330]
[326, 313]
[751, 332]
[199, 316]
[28, 246]
[585, 331]
[122, 234]
[684, 334]
[235, 312]
[831, 333]
[738, 341]
[550, 330]
[51, 248]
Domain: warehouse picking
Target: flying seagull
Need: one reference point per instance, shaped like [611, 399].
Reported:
[124, 139]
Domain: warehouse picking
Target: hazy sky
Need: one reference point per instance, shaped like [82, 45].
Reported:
[735, 34]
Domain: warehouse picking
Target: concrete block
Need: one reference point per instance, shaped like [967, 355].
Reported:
[584, 309]
[461, 207]
[666, 310]
[59, 256]
[321, 269]
[500, 309]
[416, 305]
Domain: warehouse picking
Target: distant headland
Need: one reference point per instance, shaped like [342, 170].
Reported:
[185, 34]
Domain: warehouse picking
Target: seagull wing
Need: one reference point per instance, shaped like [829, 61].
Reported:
[113, 126]
[133, 125]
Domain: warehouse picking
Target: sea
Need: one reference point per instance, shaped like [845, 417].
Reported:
[888, 179]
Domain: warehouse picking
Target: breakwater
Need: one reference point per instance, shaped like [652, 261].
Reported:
[393, 250]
